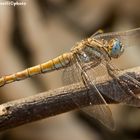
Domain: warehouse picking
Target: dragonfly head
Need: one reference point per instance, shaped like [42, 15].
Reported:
[115, 48]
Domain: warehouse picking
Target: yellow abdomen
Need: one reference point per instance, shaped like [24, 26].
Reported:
[51, 65]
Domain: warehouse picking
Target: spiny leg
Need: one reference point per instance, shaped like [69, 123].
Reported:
[100, 31]
[122, 92]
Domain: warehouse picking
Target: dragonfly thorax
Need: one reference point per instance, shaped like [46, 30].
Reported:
[90, 54]
[90, 50]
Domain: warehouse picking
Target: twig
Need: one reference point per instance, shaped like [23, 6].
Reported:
[50, 103]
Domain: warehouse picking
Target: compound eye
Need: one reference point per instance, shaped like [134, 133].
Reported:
[117, 48]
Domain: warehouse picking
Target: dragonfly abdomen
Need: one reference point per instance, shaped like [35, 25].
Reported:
[51, 65]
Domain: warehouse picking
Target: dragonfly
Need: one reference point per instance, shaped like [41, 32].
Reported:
[80, 63]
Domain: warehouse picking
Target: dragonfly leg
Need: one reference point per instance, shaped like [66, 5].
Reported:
[100, 31]
[127, 76]
[90, 65]
[113, 72]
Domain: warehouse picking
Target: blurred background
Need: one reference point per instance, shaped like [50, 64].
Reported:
[43, 29]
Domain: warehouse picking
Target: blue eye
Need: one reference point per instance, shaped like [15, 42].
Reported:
[117, 48]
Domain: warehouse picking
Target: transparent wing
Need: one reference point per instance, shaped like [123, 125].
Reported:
[71, 74]
[128, 38]
[124, 93]
[119, 90]
[101, 111]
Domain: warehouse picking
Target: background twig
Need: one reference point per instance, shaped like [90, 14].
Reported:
[54, 102]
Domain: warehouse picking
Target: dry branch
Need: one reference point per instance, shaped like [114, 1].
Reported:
[50, 103]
